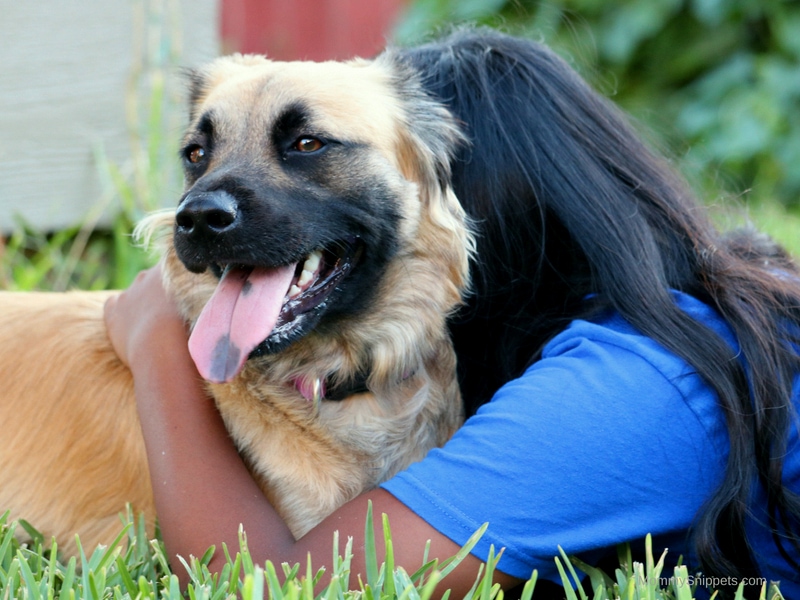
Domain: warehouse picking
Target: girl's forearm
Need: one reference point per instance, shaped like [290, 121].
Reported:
[201, 487]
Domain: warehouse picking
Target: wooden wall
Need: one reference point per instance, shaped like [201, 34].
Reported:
[68, 70]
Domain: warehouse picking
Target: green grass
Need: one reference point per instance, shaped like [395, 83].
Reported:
[136, 567]
[75, 258]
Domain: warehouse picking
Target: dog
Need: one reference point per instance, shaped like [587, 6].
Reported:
[316, 252]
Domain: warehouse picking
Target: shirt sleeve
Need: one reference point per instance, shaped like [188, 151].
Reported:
[605, 439]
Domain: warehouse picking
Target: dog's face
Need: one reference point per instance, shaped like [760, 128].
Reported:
[307, 185]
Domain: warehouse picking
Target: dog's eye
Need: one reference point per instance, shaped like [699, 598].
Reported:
[308, 144]
[195, 154]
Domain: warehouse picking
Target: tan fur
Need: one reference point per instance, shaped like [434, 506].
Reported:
[71, 453]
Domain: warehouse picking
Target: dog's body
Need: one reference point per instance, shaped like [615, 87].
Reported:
[342, 168]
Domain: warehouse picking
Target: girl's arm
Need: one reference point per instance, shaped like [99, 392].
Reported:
[201, 487]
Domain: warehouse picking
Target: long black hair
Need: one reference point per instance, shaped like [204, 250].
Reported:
[568, 201]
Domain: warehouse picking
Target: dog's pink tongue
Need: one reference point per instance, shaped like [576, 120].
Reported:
[239, 316]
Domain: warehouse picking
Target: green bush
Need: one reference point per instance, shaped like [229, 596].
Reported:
[718, 81]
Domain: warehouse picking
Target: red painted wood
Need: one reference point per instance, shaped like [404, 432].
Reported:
[308, 29]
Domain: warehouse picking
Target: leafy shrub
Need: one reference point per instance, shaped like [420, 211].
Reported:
[717, 80]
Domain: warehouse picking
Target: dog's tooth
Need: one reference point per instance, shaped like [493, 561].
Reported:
[294, 291]
[305, 277]
[312, 262]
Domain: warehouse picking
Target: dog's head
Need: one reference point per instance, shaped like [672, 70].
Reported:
[315, 193]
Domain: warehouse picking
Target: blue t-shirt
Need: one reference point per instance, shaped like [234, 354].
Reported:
[607, 438]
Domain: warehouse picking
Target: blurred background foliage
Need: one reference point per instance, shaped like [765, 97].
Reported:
[714, 83]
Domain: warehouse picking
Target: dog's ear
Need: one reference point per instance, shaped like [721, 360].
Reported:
[198, 89]
[427, 141]
[204, 79]
[430, 135]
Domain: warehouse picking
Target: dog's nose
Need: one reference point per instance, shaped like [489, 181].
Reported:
[206, 213]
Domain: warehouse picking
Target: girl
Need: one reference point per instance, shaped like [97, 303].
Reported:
[628, 370]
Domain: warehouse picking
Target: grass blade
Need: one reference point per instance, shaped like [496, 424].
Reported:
[370, 552]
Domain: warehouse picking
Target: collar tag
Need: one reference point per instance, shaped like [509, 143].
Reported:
[312, 389]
